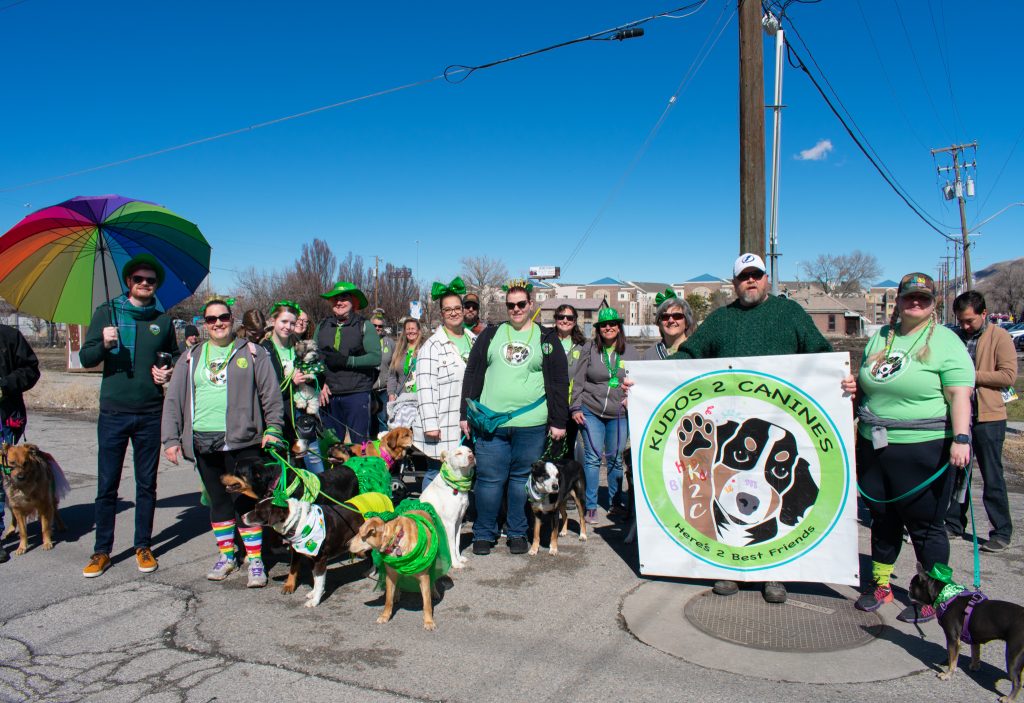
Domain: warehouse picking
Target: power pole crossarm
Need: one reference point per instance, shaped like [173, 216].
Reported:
[960, 193]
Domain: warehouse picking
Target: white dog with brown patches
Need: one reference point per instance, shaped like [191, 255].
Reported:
[449, 494]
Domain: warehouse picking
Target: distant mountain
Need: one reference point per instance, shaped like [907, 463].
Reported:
[984, 276]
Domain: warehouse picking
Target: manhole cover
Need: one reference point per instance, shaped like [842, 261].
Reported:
[804, 623]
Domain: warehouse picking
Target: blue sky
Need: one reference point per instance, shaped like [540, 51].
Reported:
[518, 160]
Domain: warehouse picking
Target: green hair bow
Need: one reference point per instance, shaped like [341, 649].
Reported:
[283, 304]
[456, 287]
[669, 294]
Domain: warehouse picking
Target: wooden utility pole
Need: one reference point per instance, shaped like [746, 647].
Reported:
[961, 192]
[752, 161]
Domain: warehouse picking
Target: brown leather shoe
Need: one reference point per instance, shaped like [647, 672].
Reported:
[146, 560]
[98, 563]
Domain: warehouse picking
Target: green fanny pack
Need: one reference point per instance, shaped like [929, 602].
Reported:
[487, 421]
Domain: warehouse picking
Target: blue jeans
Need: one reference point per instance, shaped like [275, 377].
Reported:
[113, 431]
[432, 472]
[312, 461]
[504, 459]
[349, 412]
[609, 437]
[987, 440]
[382, 413]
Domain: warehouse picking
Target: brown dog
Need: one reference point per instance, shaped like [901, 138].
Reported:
[391, 449]
[32, 489]
[396, 537]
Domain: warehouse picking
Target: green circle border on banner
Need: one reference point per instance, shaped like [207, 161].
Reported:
[831, 452]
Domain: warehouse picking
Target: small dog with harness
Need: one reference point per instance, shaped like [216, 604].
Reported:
[551, 483]
[449, 494]
[969, 616]
[34, 484]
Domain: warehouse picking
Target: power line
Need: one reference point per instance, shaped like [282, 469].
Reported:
[957, 122]
[9, 5]
[695, 66]
[991, 189]
[448, 72]
[920, 73]
[861, 141]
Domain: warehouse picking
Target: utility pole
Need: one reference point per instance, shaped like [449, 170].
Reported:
[944, 272]
[752, 166]
[960, 189]
[376, 278]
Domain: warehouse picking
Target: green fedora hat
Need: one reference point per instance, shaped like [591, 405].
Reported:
[608, 315]
[342, 287]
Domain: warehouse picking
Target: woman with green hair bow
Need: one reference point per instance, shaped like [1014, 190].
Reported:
[675, 323]
[439, 371]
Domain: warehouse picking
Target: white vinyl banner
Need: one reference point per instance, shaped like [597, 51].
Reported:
[743, 468]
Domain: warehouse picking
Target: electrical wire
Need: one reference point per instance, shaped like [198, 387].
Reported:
[446, 75]
[9, 5]
[616, 32]
[1002, 168]
[957, 122]
[695, 66]
[856, 134]
[920, 73]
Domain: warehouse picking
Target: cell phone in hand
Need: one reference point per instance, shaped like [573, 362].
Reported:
[163, 360]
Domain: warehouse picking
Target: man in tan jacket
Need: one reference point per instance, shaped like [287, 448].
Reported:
[995, 363]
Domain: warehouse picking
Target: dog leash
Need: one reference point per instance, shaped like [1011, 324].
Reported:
[920, 487]
[590, 440]
[309, 480]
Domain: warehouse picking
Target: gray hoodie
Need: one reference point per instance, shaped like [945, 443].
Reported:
[590, 387]
[254, 399]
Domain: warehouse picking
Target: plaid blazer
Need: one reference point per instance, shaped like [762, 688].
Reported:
[439, 371]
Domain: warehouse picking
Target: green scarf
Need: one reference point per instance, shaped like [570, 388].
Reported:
[454, 481]
[430, 553]
[126, 317]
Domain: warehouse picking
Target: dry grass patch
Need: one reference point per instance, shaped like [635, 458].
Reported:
[61, 393]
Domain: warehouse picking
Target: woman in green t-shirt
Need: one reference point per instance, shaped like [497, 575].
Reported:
[222, 405]
[914, 389]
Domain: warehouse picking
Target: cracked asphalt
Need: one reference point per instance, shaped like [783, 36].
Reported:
[510, 628]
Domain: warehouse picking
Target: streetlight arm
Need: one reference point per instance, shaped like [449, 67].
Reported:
[989, 219]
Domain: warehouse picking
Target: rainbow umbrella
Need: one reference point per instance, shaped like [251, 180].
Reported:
[61, 262]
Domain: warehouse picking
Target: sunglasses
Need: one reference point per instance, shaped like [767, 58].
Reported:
[677, 316]
[151, 280]
[756, 275]
[521, 305]
[566, 318]
[471, 306]
[213, 319]
[607, 325]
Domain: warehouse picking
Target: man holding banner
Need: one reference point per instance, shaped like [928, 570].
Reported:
[755, 324]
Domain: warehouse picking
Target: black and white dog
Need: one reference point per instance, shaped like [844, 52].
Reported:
[548, 489]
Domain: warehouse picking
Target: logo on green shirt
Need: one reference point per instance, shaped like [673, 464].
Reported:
[892, 367]
[154, 329]
[515, 353]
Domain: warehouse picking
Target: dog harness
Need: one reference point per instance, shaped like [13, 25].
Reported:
[942, 604]
[309, 532]
[388, 459]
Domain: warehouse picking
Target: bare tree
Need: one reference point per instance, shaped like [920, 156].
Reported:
[394, 290]
[1005, 290]
[258, 289]
[842, 274]
[485, 276]
[718, 299]
[313, 274]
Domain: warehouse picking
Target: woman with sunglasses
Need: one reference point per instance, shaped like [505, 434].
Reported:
[280, 344]
[516, 378]
[675, 323]
[914, 388]
[599, 408]
[439, 372]
[223, 404]
[572, 339]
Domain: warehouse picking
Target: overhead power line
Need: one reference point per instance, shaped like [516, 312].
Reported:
[609, 34]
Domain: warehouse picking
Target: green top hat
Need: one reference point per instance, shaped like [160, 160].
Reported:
[144, 261]
[342, 287]
[941, 572]
[608, 315]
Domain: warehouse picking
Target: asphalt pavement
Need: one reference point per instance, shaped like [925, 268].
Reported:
[510, 628]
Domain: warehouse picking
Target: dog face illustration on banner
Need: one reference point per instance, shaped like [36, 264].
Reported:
[744, 482]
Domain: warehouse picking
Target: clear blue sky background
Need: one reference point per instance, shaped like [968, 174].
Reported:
[516, 161]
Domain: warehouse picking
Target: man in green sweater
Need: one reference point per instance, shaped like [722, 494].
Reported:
[755, 324]
[126, 335]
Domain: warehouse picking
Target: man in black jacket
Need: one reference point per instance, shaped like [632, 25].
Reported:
[518, 368]
[19, 372]
[351, 350]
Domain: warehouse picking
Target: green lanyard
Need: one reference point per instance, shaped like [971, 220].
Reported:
[410, 361]
[613, 377]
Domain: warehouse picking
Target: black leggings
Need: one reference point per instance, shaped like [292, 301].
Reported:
[211, 466]
[890, 472]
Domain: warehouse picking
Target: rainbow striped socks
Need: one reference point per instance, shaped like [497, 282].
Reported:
[252, 538]
[224, 533]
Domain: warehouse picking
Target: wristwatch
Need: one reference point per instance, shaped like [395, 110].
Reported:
[962, 439]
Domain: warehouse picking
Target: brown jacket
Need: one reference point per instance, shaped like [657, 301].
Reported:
[996, 366]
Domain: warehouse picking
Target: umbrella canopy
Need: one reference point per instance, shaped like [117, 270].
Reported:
[61, 262]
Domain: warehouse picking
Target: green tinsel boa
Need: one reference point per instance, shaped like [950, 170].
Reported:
[372, 474]
[429, 554]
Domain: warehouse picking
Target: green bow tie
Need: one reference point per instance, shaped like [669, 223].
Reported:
[660, 298]
[456, 287]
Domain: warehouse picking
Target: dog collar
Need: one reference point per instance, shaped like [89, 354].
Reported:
[532, 495]
[393, 547]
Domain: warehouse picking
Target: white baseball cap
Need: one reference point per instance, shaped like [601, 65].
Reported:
[747, 261]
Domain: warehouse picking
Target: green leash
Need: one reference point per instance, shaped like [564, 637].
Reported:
[309, 480]
[927, 482]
